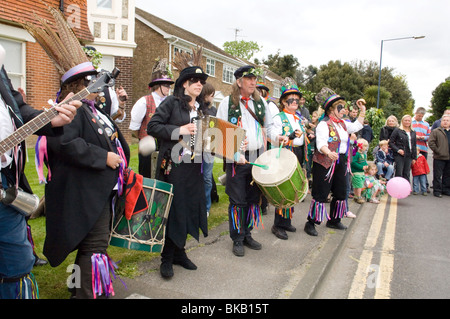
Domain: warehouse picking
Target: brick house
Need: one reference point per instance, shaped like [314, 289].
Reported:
[156, 37]
[31, 69]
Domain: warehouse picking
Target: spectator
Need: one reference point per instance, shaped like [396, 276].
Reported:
[388, 128]
[423, 131]
[367, 132]
[439, 144]
[384, 161]
[403, 144]
[358, 165]
[437, 123]
[420, 170]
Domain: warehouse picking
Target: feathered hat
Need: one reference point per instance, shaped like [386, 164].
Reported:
[326, 97]
[62, 46]
[189, 65]
[161, 73]
[261, 81]
[288, 86]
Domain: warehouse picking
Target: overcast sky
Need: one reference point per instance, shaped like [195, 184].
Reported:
[318, 31]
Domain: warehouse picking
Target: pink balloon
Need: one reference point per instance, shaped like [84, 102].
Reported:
[398, 187]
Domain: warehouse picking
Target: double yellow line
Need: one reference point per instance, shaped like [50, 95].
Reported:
[379, 276]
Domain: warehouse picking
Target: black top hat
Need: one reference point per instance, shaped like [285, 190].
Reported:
[190, 72]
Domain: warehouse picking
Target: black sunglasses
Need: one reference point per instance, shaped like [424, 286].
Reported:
[195, 80]
[290, 101]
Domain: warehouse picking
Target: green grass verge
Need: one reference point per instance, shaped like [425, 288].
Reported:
[52, 280]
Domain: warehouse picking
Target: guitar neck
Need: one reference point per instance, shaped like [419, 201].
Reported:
[36, 124]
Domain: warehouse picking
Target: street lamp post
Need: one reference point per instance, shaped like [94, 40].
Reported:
[381, 57]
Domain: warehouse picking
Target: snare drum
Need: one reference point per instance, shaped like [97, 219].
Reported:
[284, 183]
[145, 230]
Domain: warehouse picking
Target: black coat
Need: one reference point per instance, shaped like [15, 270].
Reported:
[14, 99]
[399, 141]
[188, 210]
[81, 183]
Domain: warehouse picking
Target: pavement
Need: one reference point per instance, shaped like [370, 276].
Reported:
[282, 269]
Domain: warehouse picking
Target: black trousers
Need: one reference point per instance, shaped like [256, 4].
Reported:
[145, 165]
[441, 177]
[242, 196]
[337, 185]
[403, 166]
[96, 242]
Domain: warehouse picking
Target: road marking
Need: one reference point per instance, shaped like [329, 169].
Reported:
[360, 279]
[383, 290]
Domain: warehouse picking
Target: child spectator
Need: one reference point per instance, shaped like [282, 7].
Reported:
[384, 161]
[358, 165]
[373, 188]
[420, 169]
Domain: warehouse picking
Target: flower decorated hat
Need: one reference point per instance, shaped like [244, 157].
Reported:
[288, 86]
[326, 97]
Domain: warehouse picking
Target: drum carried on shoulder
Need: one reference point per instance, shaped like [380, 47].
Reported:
[283, 182]
[144, 230]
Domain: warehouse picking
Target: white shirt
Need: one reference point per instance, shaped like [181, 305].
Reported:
[6, 129]
[323, 134]
[298, 141]
[115, 105]
[140, 108]
[249, 124]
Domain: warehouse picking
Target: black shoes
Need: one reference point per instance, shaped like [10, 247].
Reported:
[279, 232]
[238, 246]
[166, 268]
[186, 263]
[310, 229]
[335, 225]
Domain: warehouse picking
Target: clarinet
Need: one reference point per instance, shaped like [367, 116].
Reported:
[194, 120]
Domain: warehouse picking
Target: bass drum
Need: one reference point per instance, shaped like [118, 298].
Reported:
[283, 182]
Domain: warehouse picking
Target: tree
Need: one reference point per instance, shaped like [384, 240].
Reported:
[242, 49]
[440, 100]
[284, 66]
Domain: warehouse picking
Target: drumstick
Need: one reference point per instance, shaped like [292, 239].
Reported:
[259, 165]
[279, 150]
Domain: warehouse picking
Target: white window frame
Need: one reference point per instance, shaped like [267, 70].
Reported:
[210, 67]
[22, 74]
[228, 74]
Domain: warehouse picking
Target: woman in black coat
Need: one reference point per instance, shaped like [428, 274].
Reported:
[84, 165]
[176, 165]
[403, 144]
[388, 128]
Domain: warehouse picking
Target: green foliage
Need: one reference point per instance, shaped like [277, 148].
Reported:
[284, 66]
[242, 49]
[440, 100]
[376, 121]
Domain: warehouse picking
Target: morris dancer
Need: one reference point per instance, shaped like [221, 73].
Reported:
[289, 124]
[331, 161]
[145, 107]
[85, 167]
[177, 165]
[245, 108]
[16, 251]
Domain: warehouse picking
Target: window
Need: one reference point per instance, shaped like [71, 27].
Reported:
[104, 4]
[276, 92]
[210, 67]
[228, 74]
[14, 62]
